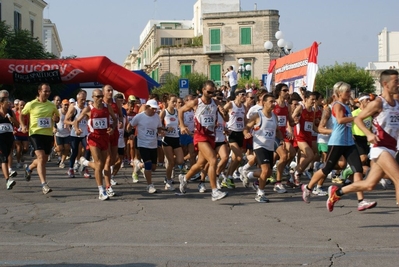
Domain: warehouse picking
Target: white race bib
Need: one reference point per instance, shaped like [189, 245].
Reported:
[207, 120]
[100, 123]
[150, 132]
[282, 121]
[269, 134]
[44, 122]
[6, 128]
[308, 126]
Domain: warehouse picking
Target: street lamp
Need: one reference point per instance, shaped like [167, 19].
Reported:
[284, 47]
[244, 70]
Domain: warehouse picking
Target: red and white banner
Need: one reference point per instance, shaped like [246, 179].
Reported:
[77, 70]
[294, 68]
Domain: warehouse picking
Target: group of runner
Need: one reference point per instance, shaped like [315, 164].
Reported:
[209, 136]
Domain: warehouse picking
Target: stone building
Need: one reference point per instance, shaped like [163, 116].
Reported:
[182, 47]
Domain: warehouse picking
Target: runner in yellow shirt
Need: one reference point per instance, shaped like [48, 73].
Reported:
[43, 114]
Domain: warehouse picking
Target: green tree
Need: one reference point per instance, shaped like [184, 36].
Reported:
[358, 78]
[171, 86]
[21, 45]
[243, 80]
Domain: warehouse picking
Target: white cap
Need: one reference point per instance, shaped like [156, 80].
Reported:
[152, 103]
[71, 100]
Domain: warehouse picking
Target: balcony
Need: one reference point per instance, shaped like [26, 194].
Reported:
[214, 49]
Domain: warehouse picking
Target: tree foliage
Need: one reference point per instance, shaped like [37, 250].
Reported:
[243, 80]
[21, 45]
[171, 86]
[357, 77]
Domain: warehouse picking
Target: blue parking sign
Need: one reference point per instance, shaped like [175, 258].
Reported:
[183, 84]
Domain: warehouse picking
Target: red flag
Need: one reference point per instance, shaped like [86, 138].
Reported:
[270, 75]
[312, 66]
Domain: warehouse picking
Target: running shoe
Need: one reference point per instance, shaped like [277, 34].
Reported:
[305, 193]
[61, 165]
[201, 187]
[218, 195]
[196, 177]
[319, 191]
[384, 184]
[332, 197]
[113, 181]
[27, 173]
[261, 198]
[255, 185]
[13, 173]
[46, 189]
[10, 184]
[86, 174]
[271, 180]
[336, 180]
[103, 196]
[366, 204]
[169, 186]
[291, 184]
[218, 185]
[135, 178]
[81, 166]
[228, 183]
[279, 188]
[151, 189]
[183, 183]
[71, 173]
[110, 192]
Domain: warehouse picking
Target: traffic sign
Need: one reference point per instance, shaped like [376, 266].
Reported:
[183, 83]
[183, 87]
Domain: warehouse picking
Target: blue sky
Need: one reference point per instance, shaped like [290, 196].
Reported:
[347, 29]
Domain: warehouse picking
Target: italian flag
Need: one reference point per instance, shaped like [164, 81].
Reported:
[270, 75]
[312, 66]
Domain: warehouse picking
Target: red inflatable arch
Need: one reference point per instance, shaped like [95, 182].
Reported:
[77, 70]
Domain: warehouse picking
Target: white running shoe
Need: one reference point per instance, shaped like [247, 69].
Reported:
[218, 195]
[113, 181]
[103, 196]
[169, 186]
[151, 189]
[201, 187]
[279, 188]
[183, 183]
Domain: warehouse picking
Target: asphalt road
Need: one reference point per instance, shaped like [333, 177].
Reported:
[71, 227]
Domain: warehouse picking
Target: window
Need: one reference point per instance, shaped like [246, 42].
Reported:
[154, 75]
[17, 20]
[32, 27]
[185, 70]
[166, 41]
[139, 62]
[216, 73]
[245, 36]
[214, 39]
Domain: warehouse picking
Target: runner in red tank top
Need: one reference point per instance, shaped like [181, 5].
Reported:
[286, 152]
[98, 139]
[304, 116]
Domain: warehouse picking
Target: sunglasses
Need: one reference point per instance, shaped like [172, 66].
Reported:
[241, 94]
[98, 96]
[210, 92]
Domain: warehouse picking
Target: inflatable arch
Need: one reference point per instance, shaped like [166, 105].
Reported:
[77, 70]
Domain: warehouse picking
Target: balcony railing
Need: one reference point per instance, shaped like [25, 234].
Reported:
[214, 48]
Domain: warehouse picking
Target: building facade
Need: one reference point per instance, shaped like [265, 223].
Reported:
[28, 15]
[388, 56]
[182, 48]
[51, 39]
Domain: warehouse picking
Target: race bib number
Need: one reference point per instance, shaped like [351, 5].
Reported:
[100, 123]
[367, 123]
[393, 119]
[240, 125]
[219, 128]
[6, 128]
[207, 120]
[308, 126]
[281, 121]
[44, 122]
[150, 132]
[171, 131]
[269, 134]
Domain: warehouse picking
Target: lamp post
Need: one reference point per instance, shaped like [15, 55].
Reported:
[244, 71]
[284, 46]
